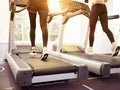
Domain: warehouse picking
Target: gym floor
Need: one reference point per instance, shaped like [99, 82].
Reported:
[94, 82]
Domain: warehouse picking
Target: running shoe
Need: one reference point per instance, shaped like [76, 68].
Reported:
[89, 50]
[114, 45]
[116, 51]
[33, 51]
[44, 54]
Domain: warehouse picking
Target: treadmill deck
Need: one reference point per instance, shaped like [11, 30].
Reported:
[114, 61]
[51, 66]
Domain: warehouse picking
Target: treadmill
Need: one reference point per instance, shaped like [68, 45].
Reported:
[29, 70]
[102, 65]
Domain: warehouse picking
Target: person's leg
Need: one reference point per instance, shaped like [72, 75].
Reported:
[104, 23]
[43, 14]
[32, 18]
[92, 21]
[43, 24]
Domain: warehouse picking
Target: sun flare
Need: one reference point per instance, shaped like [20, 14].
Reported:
[53, 5]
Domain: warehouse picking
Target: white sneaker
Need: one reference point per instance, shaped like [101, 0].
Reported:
[114, 45]
[116, 51]
[89, 50]
[44, 54]
[33, 51]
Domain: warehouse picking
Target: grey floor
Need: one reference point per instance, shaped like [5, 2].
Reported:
[94, 82]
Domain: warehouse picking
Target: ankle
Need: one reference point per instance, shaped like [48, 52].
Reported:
[45, 48]
[33, 47]
[91, 47]
[114, 43]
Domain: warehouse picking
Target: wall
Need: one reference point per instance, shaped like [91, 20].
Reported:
[3, 50]
[4, 27]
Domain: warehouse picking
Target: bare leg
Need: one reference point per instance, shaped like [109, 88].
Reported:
[43, 24]
[32, 18]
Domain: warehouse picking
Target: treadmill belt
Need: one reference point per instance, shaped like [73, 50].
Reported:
[114, 61]
[51, 66]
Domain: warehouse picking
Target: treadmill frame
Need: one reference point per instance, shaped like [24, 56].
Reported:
[23, 73]
[94, 66]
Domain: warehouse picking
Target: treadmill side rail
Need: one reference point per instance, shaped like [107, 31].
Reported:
[82, 71]
[97, 67]
[21, 71]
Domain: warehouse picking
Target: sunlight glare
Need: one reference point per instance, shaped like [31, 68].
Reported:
[53, 5]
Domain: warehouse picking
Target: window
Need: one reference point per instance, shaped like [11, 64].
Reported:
[4, 20]
[22, 24]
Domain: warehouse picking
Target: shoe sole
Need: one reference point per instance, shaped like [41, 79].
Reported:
[32, 54]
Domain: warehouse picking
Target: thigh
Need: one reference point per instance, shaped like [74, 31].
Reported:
[103, 18]
[43, 5]
[94, 13]
[32, 18]
[43, 20]
[37, 5]
[32, 5]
